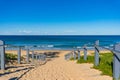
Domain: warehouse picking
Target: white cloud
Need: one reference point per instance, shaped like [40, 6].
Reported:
[25, 31]
[69, 31]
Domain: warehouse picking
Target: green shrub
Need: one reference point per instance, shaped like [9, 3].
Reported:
[105, 63]
[90, 59]
[10, 56]
[71, 58]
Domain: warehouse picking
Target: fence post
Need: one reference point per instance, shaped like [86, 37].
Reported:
[32, 56]
[43, 57]
[19, 55]
[85, 52]
[39, 57]
[78, 54]
[36, 56]
[27, 54]
[96, 53]
[116, 63]
[2, 55]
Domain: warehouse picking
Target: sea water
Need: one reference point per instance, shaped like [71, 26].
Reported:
[59, 41]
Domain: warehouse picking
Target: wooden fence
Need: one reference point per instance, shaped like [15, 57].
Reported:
[115, 50]
[33, 56]
[116, 56]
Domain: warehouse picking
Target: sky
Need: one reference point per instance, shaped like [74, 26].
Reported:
[59, 17]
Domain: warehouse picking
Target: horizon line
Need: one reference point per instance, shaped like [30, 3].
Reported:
[60, 35]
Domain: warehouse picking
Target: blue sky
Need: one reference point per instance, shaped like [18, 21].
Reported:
[59, 17]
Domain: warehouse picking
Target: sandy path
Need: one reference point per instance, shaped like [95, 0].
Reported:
[60, 69]
[15, 72]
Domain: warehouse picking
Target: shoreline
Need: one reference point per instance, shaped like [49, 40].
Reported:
[23, 52]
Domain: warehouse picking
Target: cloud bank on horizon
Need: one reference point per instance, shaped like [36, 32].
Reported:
[59, 17]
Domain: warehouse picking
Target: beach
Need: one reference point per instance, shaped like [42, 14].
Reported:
[56, 68]
[60, 40]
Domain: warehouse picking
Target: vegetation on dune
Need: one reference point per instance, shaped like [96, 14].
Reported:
[106, 62]
[10, 56]
[71, 58]
[90, 59]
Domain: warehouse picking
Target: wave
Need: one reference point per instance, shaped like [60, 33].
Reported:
[50, 46]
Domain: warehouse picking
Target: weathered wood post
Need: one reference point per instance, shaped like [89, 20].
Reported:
[32, 56]
[96, 56]
[27, 54]
[19, 55]
[78, 54]
[36, 56]
[85, 52]
[2, 55]
[43, 57]
[116, 62]
[39, 56]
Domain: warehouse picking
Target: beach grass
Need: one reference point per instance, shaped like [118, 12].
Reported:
[106, 64]
[106, 61]
[90, 59]
[10, 56]
[71, 58]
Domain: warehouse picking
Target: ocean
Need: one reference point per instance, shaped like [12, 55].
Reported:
[60, 41]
